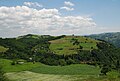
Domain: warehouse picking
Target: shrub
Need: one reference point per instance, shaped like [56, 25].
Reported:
[105, 69]
[59, 48]
[13, 63]
[80, 47]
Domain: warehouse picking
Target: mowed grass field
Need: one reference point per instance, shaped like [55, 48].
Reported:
[31, 76]
[40, 72]
[65, 45]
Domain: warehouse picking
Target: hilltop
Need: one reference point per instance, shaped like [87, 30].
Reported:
[71, 44]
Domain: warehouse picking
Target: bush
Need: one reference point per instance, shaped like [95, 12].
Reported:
[62, 62]
[105, 69]
[91, 47]
[80, 47]
[13, 63]
[59, 48]
[70, 61]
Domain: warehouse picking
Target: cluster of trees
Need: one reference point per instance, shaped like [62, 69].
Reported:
[23, 47]
[62, 60]
[107, 57]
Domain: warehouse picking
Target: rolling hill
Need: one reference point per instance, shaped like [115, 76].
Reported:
[48, 58]
[51, 50]
[71, 44]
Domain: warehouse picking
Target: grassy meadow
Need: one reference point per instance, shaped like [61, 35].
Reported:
[65, 45]
[40, 72]
[7, 67]
[76, 69]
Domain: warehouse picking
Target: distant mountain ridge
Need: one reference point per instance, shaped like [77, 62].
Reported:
[113, 38]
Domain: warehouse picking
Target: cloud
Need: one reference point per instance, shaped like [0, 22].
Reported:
[67, 8]
[67, 3]
[32, 4]
[21, 20]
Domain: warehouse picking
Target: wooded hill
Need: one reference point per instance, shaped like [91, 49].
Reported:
[113, 38]
[61, 50]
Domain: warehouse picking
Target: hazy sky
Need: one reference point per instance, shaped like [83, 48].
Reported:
[57, 17]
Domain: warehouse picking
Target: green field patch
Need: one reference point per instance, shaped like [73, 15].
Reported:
[3, 49]
[7, 67]
[41, 72]
[76, 69]
[66, 45]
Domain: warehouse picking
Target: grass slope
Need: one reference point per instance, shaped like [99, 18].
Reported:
[7, 67]
[75, 69]
[46, 69]
[65, 46]
[41, 72]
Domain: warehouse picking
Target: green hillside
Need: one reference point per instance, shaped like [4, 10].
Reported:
[74, 69]
[71, 44]
[113, 38]
[7, 67]
[83, 60]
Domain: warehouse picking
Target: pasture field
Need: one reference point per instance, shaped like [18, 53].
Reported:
[65, 45]
[74, 69]
[40, 72]
[7, 67]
